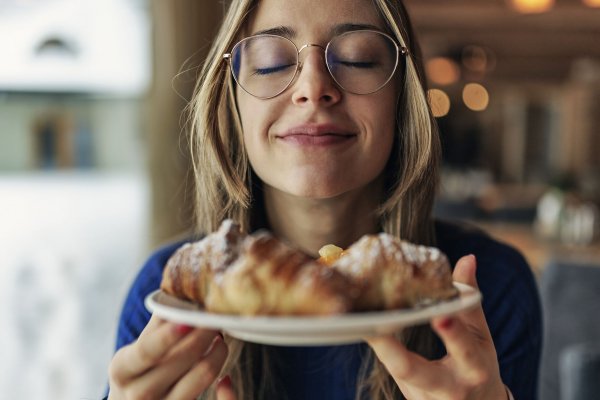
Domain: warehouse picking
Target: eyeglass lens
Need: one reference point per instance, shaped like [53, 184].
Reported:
[361, 62]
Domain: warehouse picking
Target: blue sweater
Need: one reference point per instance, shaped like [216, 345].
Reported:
[510, 302]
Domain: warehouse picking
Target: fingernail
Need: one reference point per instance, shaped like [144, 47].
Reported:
[226, 380]
[446, 323]
[183, 329]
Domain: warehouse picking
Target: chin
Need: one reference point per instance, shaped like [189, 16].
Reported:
[318, 194]
[319, 190]
[318, 185]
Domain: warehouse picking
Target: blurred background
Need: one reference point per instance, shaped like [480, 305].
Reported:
[93, 163]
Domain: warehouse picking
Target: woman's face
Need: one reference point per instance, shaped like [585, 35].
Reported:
[315, 140]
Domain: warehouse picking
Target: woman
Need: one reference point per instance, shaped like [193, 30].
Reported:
[320, 131]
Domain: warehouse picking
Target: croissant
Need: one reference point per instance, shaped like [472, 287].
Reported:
[191, 269]
[271, 278]
[392, 273]
[233, 273]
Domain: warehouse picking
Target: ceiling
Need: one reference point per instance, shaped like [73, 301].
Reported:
[533, 47]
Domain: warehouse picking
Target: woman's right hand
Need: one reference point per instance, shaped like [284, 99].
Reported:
[168, 361]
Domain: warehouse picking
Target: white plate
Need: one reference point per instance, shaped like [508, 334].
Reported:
[300, 331]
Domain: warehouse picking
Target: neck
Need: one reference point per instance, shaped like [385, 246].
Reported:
[310, 224]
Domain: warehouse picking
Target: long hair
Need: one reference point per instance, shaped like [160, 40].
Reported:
[227, 188]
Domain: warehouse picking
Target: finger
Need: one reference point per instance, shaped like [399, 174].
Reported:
[225, 390]
[199, 340]
[202, 374]
[156, 382]
[464, 333]
[405, 365]
[465, 272]
[473, 357]
[154, 342]
[467, 346]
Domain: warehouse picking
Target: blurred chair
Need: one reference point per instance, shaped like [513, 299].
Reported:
[579, 369]
[570, 368]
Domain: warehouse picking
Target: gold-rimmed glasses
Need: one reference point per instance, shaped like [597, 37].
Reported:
[360, 62]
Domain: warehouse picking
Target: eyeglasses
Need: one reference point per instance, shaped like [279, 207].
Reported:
[360, 62]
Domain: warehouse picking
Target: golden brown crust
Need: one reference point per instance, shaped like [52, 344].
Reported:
[229, 272]
[192, 268]
[392, 273]
[272, 278]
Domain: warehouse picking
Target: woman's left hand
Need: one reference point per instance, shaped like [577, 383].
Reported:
[469, 370]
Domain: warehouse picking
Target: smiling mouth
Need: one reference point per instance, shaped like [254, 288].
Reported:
[321, 139]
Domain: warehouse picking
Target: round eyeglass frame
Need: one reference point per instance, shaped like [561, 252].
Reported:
[400, 50]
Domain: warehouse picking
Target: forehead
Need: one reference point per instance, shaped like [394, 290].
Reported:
[315, 18]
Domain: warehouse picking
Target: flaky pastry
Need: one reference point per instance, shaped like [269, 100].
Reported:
[392, 273]
[273, 278]
[233, 273]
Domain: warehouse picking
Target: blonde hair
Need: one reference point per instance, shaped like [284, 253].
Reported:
[226, 186]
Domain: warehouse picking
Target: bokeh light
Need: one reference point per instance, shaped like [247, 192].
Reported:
[475, 96]
[532, 6]
[478, 59]
[592, 3]
[442, 70]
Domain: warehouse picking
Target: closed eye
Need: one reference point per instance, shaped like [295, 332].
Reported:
[272, 70]
[357, 64]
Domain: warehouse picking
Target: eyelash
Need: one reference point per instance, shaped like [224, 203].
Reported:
[272, 70]
[279, 68]
[357, 64]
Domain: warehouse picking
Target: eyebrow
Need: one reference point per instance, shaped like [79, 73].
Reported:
[290, 33]
[343, 28]
[284, 31]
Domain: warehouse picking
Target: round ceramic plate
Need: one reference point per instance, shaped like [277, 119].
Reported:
[307, 330]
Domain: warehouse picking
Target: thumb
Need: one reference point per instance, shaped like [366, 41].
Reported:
[225, 390]
[464, 271]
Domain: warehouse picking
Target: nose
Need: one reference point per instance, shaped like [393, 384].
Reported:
[314, 85]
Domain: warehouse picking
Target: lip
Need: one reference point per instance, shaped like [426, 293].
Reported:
[316, 134]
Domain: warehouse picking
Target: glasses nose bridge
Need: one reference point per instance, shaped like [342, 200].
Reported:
[306, 46]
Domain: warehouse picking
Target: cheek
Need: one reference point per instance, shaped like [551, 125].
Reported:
[256, 118]
[252, 119]
[380, 116]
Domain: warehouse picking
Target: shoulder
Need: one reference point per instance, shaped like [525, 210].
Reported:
[493, 257]
[458, 239]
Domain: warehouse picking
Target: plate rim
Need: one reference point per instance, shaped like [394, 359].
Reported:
[301, 326]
